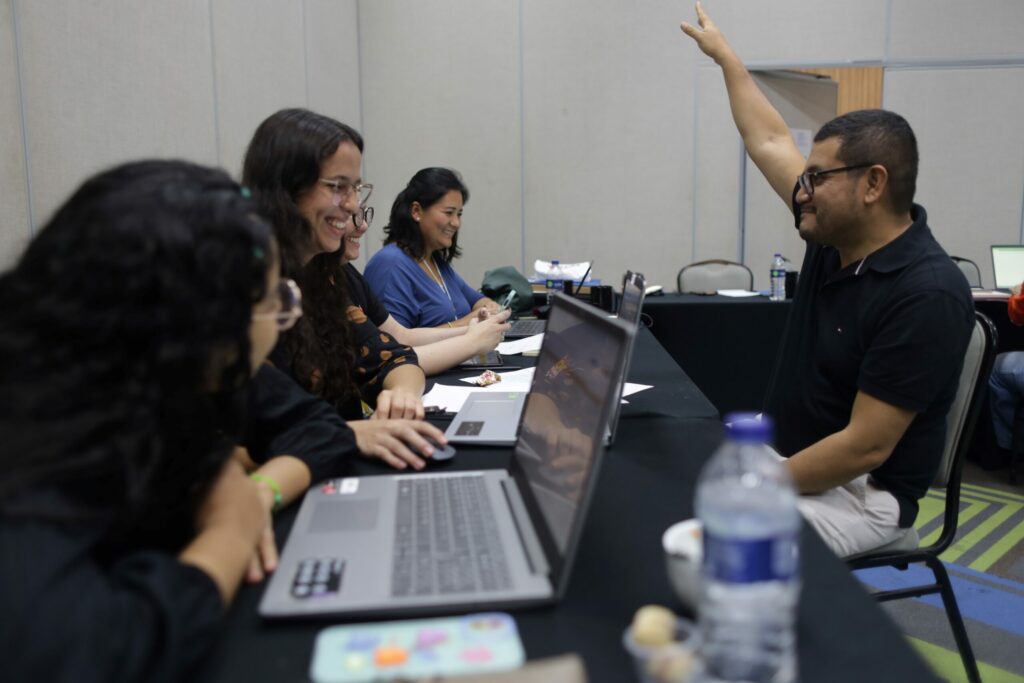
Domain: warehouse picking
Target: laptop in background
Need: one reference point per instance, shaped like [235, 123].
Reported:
[634, 289]
[492, 418]
[527, 328]
[409, 544]
[1008, 265]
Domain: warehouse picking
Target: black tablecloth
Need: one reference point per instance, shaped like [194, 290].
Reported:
[646, 484]
[726, 345]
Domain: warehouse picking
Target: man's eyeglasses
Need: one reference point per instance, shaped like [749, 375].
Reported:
[364, 216]
[342, 190]
[291, 306]
[811, 179]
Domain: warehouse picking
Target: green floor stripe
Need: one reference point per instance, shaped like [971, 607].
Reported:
[1013, 497]
[966, 515]
[998, 549]
[947, 663]
[929, 509]
[978, 533]
[973, 495]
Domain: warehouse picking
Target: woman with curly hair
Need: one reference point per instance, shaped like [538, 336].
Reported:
[413, 273]
[305, 171]
[132, 324]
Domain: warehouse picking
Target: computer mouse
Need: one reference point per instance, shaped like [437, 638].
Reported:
[442, 452]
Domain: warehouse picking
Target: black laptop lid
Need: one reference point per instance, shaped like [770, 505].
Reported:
[563, 422]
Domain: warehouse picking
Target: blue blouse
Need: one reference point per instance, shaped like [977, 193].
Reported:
[413, 297]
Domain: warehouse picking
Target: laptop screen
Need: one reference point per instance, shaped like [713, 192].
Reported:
[565, 414]
[1008, 265]
[633, 286]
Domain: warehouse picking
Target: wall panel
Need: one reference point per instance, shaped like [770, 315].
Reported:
[109, 81]
[608, 117]
[972, 157]
[14, 218]
[260, 66]
[440, 84]
[951, 29]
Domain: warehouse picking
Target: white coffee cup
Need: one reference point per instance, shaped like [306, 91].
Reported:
[684, 551]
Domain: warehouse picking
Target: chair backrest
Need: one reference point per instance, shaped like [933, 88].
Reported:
[712, 275]
[962, 418]
[970, 270]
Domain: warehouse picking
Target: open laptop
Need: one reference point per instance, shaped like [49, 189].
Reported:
[1008, 265]
[634, 289]
[492, 418]
[408, 544]
[527, 328]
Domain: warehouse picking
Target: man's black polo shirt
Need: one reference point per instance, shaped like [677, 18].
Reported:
[895, 326]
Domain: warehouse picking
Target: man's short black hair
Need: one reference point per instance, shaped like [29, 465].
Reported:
[881, 137]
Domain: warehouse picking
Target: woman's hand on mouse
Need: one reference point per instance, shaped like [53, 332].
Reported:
[399, 443]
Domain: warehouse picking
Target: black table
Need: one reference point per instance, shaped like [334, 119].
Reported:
[726, 345]
[646, 483]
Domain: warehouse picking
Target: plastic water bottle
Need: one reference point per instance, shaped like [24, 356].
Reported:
[750, 583]
[778, 274]
[553, 282]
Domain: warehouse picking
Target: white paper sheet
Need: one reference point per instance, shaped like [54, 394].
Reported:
[737, 293]
[511, 348]
[451, 398]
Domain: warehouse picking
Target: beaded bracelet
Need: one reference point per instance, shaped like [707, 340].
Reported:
[274, 487]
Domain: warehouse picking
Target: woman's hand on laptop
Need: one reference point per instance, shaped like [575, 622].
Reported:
[399, 443]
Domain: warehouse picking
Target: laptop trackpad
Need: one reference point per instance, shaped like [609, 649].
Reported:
[344, 515]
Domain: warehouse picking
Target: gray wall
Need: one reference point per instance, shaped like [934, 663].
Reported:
[583, 129]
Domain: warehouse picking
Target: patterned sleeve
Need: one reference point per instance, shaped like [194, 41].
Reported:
[377, 355]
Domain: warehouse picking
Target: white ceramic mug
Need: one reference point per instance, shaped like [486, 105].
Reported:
[684, 551]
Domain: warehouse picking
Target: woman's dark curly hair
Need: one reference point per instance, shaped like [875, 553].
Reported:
[283, 162]
[125, 346]
[426, 188]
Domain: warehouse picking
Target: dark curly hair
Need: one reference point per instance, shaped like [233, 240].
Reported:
[125, 347]
[426, 188]
[282, 162]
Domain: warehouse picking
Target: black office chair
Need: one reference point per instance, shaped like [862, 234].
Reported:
[970, 270]
[714, 274]
[962, 417]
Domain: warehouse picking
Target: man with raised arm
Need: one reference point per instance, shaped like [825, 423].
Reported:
[871, 356]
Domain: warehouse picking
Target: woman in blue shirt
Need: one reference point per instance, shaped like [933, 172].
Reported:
[412, 274]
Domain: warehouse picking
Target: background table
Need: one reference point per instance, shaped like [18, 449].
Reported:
[646, 483]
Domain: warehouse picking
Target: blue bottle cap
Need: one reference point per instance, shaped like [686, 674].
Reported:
[749, 427]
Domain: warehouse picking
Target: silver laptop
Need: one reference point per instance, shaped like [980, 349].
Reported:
[1008, 265]
[634, 288]
[407, 544]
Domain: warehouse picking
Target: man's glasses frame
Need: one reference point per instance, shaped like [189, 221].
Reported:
[811, 179]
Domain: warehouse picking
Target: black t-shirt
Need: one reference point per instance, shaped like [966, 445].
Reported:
[895, 326]
[362, 295]
[74, 609]
[284, 419]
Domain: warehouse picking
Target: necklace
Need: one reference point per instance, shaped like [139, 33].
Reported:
[440, 282]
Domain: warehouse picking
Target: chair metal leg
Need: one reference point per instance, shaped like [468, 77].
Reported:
[956, 622]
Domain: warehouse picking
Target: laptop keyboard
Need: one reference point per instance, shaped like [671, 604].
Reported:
[527, 328]
[446, 539]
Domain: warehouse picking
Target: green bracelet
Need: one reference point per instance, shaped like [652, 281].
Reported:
[274, 487]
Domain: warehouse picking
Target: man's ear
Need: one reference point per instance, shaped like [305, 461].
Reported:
[876, 181]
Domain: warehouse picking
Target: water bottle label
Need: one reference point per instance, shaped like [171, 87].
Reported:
[778, 273]
[732, 560]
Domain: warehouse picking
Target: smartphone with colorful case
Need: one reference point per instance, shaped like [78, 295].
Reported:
[412, 649]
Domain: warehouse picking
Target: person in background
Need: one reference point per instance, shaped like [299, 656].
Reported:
[438, 348]
[870, 360]
[1006, 383]
[132, 325]
[413, 274]
[305, 172]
